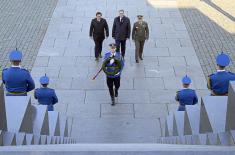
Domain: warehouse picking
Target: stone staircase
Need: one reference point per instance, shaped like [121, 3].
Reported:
[118, 149]
[209, 123]
[137, 125]
[25, 124]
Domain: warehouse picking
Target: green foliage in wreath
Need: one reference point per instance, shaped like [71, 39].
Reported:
[115, 69]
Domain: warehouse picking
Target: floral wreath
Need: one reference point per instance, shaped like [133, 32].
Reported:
[116, 69]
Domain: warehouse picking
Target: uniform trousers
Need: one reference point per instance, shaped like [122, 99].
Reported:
[113, 82]
[139, 47]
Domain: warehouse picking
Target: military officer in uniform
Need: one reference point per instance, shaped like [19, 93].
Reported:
[140, 33]
[17, 80]
[218, 82]
[186, 96]
[113, 59]
[45, 95]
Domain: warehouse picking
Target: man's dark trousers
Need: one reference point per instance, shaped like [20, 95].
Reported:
[113, 82]
[98, 47]
[121, 44]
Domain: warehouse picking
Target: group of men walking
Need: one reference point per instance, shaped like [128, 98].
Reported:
[18, 81]
[121, 31]
[114, 60]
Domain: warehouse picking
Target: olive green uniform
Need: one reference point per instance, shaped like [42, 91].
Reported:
[140, 33]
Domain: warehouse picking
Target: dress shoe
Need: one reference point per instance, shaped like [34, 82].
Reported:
[113, 101]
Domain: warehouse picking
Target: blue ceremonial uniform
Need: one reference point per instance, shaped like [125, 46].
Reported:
[18, 81]
[46, 96]
[186, 97]
[219, 82]
[117, 56]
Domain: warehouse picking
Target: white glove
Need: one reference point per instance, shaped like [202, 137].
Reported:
[112, 55]
[111, 61]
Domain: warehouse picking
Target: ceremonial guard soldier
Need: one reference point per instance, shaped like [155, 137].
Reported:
[140, 33]
[45, 95]
[112, 66]
[186, 96]
[17, 80]
[218, 82]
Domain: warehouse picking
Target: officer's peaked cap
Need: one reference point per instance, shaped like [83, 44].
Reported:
[112, 45]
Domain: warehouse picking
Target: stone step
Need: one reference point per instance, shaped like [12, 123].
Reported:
[116, 130]
[118, 149]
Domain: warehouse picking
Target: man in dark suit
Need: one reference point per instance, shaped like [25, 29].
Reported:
[121, 31]
[98, 30]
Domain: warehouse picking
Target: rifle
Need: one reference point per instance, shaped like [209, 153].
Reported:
[97, 74]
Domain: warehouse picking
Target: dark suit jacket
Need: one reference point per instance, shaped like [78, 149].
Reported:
[121, 29]
[98, 29]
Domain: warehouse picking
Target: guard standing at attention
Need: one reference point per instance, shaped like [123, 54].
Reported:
[45, 95]
[186, 96]
[112, 66]
[140, 33]
[218, 82]
[17, 80]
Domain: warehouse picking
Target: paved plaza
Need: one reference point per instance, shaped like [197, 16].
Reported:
[211, 27]
[66, 54]
[147, 89]
[23, 24]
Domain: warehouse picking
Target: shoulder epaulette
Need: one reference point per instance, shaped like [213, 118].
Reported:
[5, 69]
[24, 69]
[211, 74]
[231, 72]
[50, 88]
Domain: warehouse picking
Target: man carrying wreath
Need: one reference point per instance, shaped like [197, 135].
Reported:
[112, 66]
